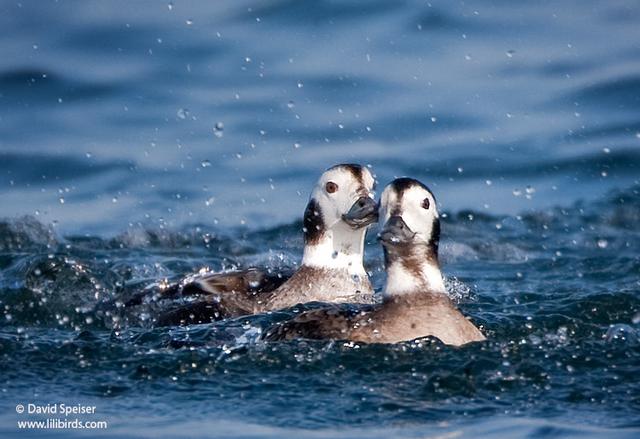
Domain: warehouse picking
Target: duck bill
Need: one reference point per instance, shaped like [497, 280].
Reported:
[363, 212]
[396, 232]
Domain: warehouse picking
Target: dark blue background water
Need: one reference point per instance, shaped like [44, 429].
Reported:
[145, 140]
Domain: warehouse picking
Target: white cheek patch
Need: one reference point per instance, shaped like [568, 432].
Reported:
[419, 219]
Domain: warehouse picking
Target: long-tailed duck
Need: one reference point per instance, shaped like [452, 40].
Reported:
[339, 212]
[415, 302]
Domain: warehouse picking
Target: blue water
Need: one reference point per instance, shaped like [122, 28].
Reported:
[145, 140]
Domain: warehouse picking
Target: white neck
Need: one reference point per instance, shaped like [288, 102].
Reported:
[401, 280]
[340, 247]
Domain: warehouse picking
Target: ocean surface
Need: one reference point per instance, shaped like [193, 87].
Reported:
[142, 141]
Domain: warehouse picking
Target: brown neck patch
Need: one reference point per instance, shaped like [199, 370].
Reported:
[411, 257]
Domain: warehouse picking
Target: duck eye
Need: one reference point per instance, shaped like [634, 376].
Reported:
[331, 187]
[425, 203]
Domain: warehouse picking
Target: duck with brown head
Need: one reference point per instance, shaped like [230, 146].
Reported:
[339, 212]
[415, 302]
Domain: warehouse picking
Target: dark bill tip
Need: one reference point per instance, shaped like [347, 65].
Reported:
[362, 213]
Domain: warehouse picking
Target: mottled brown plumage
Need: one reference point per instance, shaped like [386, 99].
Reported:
[240, 297]
[313, 284]
[397, 319]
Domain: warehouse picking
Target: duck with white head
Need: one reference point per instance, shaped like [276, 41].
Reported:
[340, 210]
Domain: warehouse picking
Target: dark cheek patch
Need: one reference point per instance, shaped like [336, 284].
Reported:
[313, 223]
[434, 243]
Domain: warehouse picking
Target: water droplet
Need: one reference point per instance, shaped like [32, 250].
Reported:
[296, 145]
[488, 182]
[603, 243]
[238, 156]
[205, 163]
[636, 318]
[517, 192]
[61, 199]
[467, 57]
[88, 155]
[291, 104]
[604, 173]
[606, 150]
[114, 200]
[510, 53]
[209, 201]
[460, 170]
[189, 22]
[182, 113]
[530, 190]
[368, 128]
[300, 84]
[218, 129]
[433, 119]
[334, 254]
[621, 332]
[170, 6]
